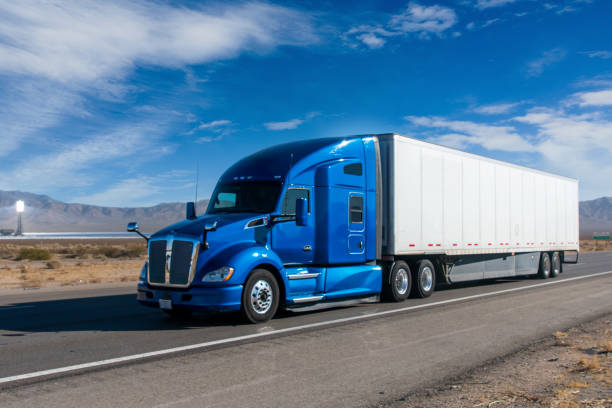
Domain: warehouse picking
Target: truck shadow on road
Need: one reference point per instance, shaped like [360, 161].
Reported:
[121, 313]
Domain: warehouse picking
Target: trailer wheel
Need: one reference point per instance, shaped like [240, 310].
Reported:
[555, 265]
[397, 282]
[260, 296]
[544, 271]
[424, 279]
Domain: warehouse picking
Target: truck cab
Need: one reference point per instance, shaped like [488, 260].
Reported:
[289, 226]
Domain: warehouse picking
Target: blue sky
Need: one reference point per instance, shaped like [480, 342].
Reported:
[115, 103]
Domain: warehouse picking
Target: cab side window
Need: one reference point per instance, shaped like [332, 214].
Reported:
[293, 194]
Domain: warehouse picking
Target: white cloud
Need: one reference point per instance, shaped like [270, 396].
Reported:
[484, 4]
[287, 125]
[579, 145]
[221, 127]
[87, 40]
[594, 98]
[292, 123]
[55, 54]
[599, 54]
[465, 133]
[562, 140]
[548, 58]
[491, 21]
[495, 109]
[566, 9]
[214, 124]
[422, 21]
[68, 165]
[126, 193]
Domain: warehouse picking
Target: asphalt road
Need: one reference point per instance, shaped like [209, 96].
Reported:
[344, 363]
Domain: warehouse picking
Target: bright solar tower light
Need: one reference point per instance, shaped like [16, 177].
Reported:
[19, 206]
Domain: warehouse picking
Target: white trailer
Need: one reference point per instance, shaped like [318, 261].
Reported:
[473, 216]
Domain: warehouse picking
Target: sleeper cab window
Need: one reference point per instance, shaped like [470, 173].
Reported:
[356, 206]
[353, 169]
[292, 195]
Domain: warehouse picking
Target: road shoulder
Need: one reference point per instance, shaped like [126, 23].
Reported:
[571, 368]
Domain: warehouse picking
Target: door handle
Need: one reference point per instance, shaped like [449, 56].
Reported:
[307, 248]
[360, 244]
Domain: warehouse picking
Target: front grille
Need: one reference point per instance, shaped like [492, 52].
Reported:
[179, 262]
[157, 262]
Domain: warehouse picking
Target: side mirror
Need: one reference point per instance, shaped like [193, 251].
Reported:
[301, 212]
[133, 227]
[190, 212]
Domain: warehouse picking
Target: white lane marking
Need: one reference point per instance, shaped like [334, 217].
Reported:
[237, 339]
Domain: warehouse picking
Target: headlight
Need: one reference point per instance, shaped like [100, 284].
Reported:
[143, 274]
[219, 275]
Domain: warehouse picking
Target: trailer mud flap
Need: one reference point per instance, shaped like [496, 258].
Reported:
[574, 261]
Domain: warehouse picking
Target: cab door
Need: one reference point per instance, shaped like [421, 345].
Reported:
[295, 244]
[356, 227]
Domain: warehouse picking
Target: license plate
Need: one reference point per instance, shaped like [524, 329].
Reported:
[165, 304]
[141, 296]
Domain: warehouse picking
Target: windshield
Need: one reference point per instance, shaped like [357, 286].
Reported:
[245, 196]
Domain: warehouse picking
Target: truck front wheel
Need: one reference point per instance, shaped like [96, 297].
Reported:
[424, 279]
[260, 296]
[397, 282]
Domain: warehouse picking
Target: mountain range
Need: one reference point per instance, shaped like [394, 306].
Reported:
[44, 214]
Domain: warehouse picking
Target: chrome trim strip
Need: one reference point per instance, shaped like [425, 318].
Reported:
[308, 299]
[298, 276]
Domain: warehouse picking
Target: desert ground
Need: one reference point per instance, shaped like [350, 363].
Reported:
[46, 263]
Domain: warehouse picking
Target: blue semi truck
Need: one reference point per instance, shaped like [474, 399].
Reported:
[331, 219]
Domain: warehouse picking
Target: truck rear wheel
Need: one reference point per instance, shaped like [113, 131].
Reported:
[555, 265]
[260, 296]
[544, 271]
[424, 279]
[397, 282]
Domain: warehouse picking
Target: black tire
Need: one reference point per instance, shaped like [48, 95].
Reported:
[397, 282]
[178, 313]
[544, 270]
[423, 279]
[260, 297]
[555, 265]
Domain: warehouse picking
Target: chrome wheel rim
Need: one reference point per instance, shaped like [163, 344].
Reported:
[546, 266]
[261, 297]
[556, 266]
[426, 278]
[401, 281]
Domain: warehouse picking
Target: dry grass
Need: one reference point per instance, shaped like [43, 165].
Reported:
[592, 245]
[40, 263]
[589, 364]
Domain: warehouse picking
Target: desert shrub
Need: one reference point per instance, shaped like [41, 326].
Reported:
[33, 254]
[129, 251]
[8, 252]
[54, 264]
[111, 252]
[76, 252]
[135, 250]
